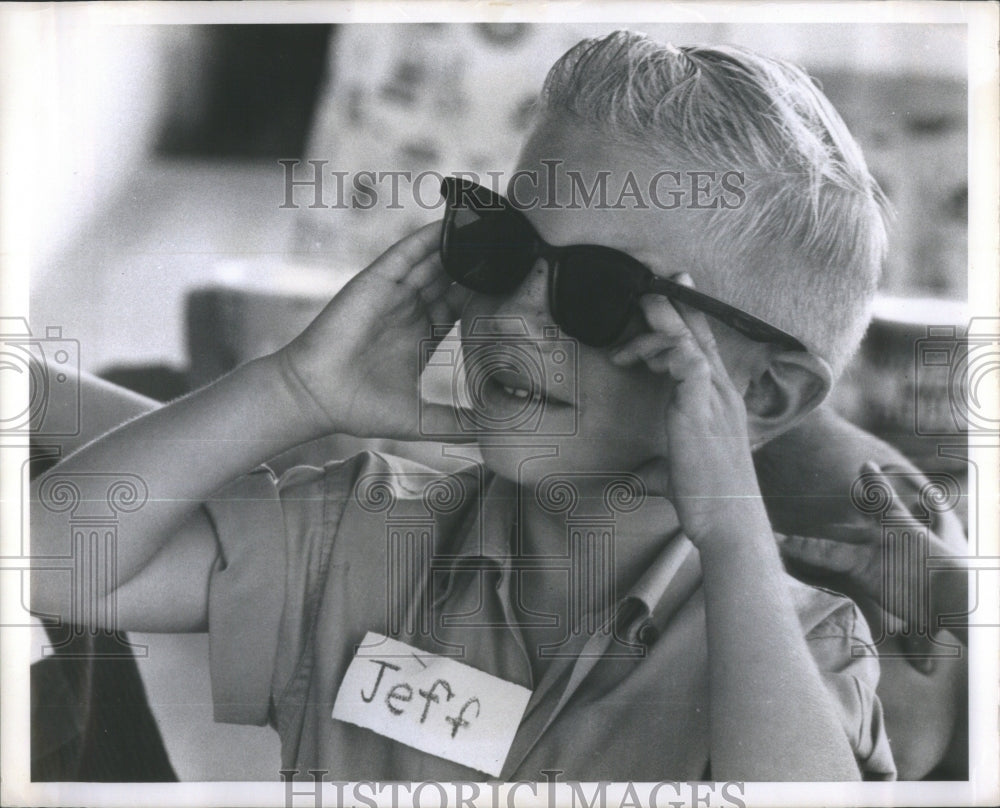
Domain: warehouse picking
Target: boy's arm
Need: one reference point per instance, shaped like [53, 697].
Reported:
[353, 370]
[102, 407]
[182, 453]
[771, 716]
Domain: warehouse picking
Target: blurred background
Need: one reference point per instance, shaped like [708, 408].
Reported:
[168, 250]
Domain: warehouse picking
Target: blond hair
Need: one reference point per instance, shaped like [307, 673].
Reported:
[806, 248]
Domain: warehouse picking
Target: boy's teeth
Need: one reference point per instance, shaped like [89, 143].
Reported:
[513, 392]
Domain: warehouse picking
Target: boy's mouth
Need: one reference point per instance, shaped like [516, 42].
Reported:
[517, 392]
[521, 389]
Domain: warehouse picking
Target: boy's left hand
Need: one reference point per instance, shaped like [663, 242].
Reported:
[705, 465]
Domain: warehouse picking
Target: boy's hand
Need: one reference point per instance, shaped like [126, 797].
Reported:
[355, 368]
[706, 467]
[856, 555]
[766, 697]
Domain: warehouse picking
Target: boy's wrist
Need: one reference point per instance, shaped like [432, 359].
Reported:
[297, 415]
[736, 529]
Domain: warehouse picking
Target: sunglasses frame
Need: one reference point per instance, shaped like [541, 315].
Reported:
[463, 194]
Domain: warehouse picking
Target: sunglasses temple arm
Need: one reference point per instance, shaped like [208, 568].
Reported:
[752, 327]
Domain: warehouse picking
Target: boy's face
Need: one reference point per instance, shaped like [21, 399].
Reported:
[618, 411]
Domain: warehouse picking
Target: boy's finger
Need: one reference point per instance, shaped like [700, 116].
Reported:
[684, 362]
[427, 272]
[683, 326]
[698, 325]
[435, 289]
[662, 354]
[853, 533]
[641, 347]
[896, 509]
[669, 362]
[683, 357]
[820, 554]
[397, 262]
[447, 306]
[427, 278]
[435, 302]
[665, 319]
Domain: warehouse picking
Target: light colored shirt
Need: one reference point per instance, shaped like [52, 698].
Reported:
[310, 563]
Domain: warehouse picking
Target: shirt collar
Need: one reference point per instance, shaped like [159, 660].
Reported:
[673, 562]
[659, 591]
[487, 531]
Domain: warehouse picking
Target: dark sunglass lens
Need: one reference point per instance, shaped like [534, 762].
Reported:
[490, 253]
[593, 298]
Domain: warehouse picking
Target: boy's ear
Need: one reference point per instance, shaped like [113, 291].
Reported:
[791, 386]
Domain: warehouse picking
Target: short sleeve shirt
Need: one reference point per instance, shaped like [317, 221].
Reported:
[311, 562]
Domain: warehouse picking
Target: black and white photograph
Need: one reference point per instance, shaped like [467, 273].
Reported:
[453, 404]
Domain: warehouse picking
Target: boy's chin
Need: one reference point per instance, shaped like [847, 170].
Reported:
[529, 459]
[552, 480]
[521, 459]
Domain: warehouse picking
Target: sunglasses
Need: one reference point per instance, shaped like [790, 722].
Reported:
[490, 247]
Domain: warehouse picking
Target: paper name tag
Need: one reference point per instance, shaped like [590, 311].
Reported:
[432, 703]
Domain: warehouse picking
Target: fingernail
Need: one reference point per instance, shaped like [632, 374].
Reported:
[685, 278]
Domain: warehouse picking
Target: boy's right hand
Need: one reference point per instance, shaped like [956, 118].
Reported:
[355, 368]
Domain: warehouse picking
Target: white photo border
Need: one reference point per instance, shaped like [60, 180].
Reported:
[23, 27]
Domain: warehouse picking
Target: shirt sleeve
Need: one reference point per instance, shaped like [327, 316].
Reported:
[246, 594]
[842, 647]
[272, 535]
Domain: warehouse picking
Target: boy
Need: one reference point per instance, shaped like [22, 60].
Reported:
[605, 591]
